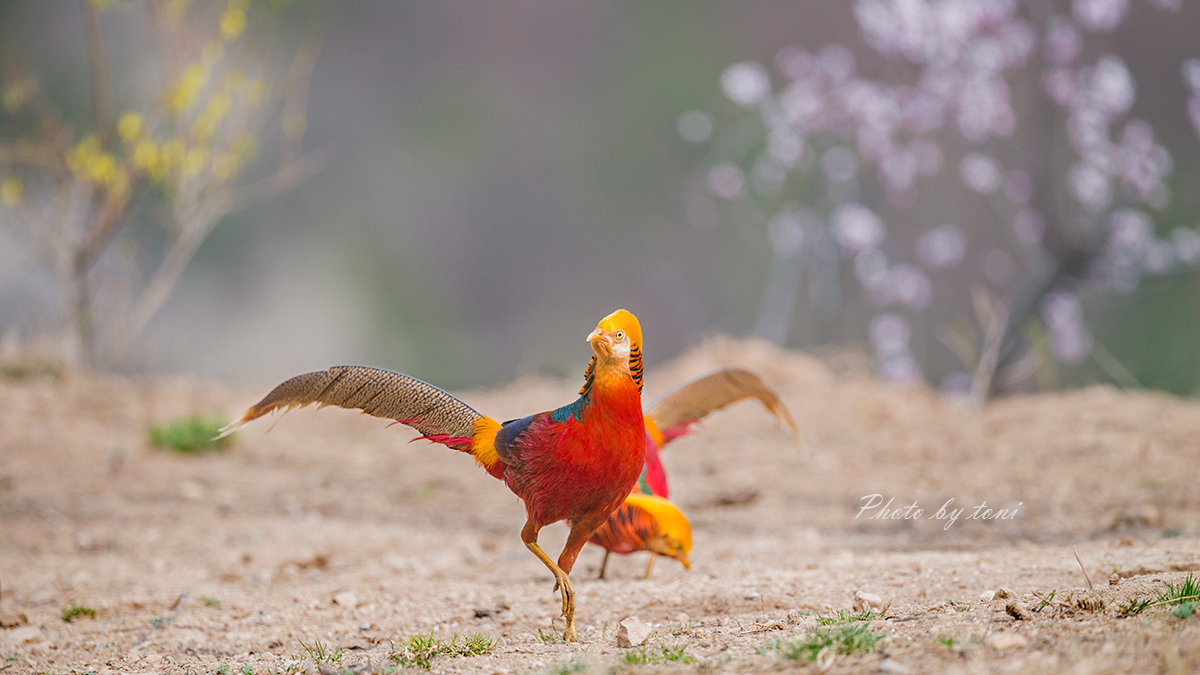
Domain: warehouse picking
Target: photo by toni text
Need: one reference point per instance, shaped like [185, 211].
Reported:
[946, 514]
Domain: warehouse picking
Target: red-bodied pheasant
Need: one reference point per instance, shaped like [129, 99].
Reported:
[576, 463]
[647, 520]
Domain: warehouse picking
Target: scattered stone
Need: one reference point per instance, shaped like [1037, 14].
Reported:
[365, 626]
[987, 596]
[1114, 579]
[752, 595]
[867, 601]
[1003, 593]
[892, 666]
[346, 599]
[632, 632]
[1017, 611]
[1004, 641]
[13, 620]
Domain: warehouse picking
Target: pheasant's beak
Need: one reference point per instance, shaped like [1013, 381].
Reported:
[601, 343]
[661, 546]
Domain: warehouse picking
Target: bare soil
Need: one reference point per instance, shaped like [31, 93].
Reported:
[335, 529]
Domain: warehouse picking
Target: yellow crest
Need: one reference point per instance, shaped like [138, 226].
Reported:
[670, 519]
[624, 320]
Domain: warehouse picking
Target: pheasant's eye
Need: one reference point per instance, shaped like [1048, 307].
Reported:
[620, 335]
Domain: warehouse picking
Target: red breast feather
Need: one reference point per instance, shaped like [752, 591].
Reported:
[580, 460]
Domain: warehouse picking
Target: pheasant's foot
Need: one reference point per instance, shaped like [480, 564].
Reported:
[563, 584]
[569, 633]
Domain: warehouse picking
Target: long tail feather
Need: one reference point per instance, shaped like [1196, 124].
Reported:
[439, 416]
[690, 402]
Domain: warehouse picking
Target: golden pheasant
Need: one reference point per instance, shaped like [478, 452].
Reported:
[647, 520]
[576, 463]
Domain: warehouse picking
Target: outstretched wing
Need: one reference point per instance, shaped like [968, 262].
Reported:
[439, 416]
[674, 411]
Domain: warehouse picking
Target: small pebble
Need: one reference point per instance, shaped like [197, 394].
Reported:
[751, 596]
[365, 626]
[867, 601]
[1003, 593]
[987, 596]
[1017, 611]
[632, 632]
[346, 599]
[1114, 579]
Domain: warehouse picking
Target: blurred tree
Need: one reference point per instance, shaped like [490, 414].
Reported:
[179, 155]
[1032, 106]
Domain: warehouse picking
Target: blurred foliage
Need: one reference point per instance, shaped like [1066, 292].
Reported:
[173, 152]
[501, 176]
[189, 435]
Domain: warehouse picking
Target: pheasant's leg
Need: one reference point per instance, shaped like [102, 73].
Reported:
[561, 580]
[604, 564]
[650, 565]
[581, 531]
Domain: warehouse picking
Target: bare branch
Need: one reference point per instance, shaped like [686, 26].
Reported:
[102, 102]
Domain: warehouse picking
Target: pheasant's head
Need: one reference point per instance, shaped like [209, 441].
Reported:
[674, 538]
[617, 340]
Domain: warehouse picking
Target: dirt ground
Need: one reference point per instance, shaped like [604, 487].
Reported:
[333, 529]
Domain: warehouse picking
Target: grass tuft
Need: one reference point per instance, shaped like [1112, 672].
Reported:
[320, 653]
[210, 602]
[845, 617]
[551, 638]
[73, 612]
[189, 435]
[641, 657]
[420, 651]
[1133, 607]
[844, 640]
[1187, 591]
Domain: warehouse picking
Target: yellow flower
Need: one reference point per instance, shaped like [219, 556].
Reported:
[203, 128]
[145, 155]
[233, 22]
[11, 191]
[219, 105]
[103, 169]
[194, 161]
[173, 152]
[189, 86]
[83, 156]
[129, 127]
[14, 96]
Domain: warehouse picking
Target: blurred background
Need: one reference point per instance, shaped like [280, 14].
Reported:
[985, 196]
